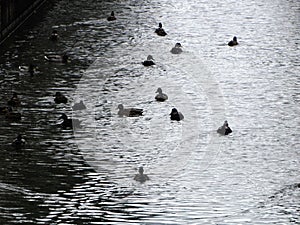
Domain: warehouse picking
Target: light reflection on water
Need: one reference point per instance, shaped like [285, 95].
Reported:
[196, 176]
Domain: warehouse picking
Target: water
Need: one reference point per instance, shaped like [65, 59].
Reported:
[196, 176]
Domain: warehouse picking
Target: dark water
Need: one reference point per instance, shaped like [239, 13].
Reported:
[196, 176]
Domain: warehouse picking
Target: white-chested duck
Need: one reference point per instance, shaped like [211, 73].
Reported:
[131, 112]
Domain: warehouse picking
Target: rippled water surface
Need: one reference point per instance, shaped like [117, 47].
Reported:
[196, 176]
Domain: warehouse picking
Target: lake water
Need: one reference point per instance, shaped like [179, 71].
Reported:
[196, 176]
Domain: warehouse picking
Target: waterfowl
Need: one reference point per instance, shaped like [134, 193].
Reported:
[149, 61]
[19, 142]
[13, 116]
[4, 109]
[141, 177]
[112, 16]
[129, 112]
[233, 42]
[31, 69]
[177, 49]
[54, 36]
[57, 58]
[224, 129]
[175, 115]
[161, 97]
[60, 98]
[69, 123]
[79, 106]
[14, 101]
[160, 31]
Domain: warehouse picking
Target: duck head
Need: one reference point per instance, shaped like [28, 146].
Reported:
[149, 58]
[234, 39]
[159, 90]
[63, 116]
[174, 111]
[120, 107]
[112, 13]
[141, 170]
[160, 25]
[178, 45]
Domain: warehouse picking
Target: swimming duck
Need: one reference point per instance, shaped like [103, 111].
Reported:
[175, 115]
[13, 116]
[111, 17]
[233, 42]
[129, 112]
[177, 49]
[79, 106]
[57, 58]
[60, 98]
[141, 177]
[224, 129]
[54, 36]
[161, 97]
[149, 61]
[69, 123]
[19, 142]
[31, 69]
[14, 101]
[160, 31]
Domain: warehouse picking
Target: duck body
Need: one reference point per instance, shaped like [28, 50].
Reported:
[149, 61]
[111, 17]
[54, 36]
[160, 31]
[141, 177]
[224, 129]
[14, 101]
[233, 42]
[60, 98]
[177, 49]
[175, 115]
[130, 112]
[69, 123]
[19, 142]
[160, 97]
[79, 106]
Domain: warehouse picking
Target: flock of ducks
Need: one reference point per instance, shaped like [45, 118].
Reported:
[59, 98]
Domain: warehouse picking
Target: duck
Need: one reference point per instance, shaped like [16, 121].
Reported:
[69, 123]
[149, 61]
[224, 129]
[141, 177]
[175, 115]
[131, 112]
[4, 109]
[233, 42]
[57, 58]
[79, 106]
[54, 36]
[177, 49]
[31, 69]
[19, 142]
[112, 16]
[160, 31]
[14, 101]
[60, 98]
[13, 116]
[160, 97]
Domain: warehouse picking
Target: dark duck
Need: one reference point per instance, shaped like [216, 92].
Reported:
[149, 61]
[233, 42]
[111, 17]
[60, 98]
[175, 115]
[19, 142]
[14, 101]
[224, 129]
[141, 177]
[131, 112]
[160, 31]
[54, 36]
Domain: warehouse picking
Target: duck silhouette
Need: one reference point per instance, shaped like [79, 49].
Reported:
[112, 16]
[54, 36]
[131, 112]
[149, 61]
[19, 142]
[60, 98]
[160, 31]
[31, 69]
[161, 97]
[175, 115]
[224, 129]
[177, 49]
[141, 177]
[69, 123]
[79, 106]
[14, 101]
[233, 42]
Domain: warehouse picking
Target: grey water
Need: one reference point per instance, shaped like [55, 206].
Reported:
[196, 176]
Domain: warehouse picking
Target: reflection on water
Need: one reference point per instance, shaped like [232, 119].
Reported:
[196, 176]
